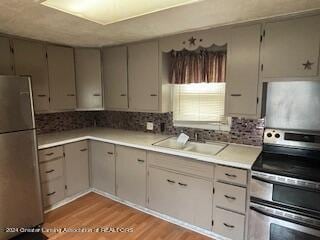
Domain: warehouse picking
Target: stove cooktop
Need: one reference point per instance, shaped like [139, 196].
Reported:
[296, 163]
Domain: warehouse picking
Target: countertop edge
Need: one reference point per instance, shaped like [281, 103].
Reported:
[153, 148]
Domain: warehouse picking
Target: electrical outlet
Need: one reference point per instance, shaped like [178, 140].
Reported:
[150, 126]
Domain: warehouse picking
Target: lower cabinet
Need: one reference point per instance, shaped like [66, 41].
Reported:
[76, 167]
[103, 166]
[131, 174]
[186, 198]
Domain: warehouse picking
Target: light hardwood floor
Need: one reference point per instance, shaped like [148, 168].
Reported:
[95, 211]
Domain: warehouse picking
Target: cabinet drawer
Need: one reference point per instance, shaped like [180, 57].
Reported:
[230, 197]
[181, 164]
[50, 153]
[53, 192]
[231, 175]
[229, 224]
[51, 170]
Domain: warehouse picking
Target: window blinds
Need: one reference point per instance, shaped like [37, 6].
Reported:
[201, 102]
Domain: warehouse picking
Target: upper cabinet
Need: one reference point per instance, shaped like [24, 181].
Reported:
[6, 63]
[290, 49]
[143, 71]
[115, 77]
[88, 78]
[30, 59]
[243, 71]
[61, 77]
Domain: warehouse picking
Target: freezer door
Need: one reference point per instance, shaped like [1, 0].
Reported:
[16, 109]
[20, 196]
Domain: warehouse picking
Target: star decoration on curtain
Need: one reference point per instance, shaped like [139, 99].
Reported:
[307, 65]
[192, 41]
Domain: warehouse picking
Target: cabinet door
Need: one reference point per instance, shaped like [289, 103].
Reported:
[61, 78]
[131, 174]
[30, 59]
[194, 201]
[88, 78]
[77, 169]
[115, 77]
[6, 63]
[163, 191]
[143, 68]
[289, 45]
[103, 166]
[243, 71]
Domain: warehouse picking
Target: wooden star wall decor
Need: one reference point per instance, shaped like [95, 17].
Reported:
[307, 65]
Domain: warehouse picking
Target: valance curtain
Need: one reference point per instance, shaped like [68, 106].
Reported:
[197, 67]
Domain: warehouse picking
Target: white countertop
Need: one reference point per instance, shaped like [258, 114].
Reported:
[235, 155]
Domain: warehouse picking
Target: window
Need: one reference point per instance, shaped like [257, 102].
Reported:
[200, 105]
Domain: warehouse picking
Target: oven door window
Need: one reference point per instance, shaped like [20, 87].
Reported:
[278, 232]
[296, 197]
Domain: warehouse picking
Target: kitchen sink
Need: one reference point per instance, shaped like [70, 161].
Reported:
[211, 148]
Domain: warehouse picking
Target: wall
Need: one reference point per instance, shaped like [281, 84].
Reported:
[242, 131]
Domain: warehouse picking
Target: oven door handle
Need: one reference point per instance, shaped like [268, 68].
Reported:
[283, 218]
[265, 180]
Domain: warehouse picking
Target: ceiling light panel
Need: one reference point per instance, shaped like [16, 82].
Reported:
[109, 11]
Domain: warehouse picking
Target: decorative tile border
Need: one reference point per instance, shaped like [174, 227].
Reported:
[243, 131]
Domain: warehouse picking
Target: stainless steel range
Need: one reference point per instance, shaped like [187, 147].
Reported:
[285, 187]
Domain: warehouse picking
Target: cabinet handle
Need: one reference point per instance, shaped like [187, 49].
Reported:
[236, 95]
[230, 175]
[170, 181]
[96, 94]
[140, 160]
[41, 95]
[49, 154]
[228, 225]
[230, 197]
[183, 184]
[83, 149]
[123, 95]
[50, 171]
[70, 95]
[110, 153]
[49, 194]
[153, 95]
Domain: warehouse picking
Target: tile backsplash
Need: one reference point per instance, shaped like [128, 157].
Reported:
[244, 131]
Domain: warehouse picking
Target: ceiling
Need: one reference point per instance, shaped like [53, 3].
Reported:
[28, 18]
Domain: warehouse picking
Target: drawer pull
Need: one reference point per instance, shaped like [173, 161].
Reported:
[50, 171]
[236, 95]
[228, 225]
[170, 181]
[49, 154]
[123, 95]
[230, 175]
[153, 95]
[110, 153]
[83, 149]
[96, 94]
[183, 184]
[70, 95]
[41, 95]
[140, 160]
[230, 197]
[50, 194]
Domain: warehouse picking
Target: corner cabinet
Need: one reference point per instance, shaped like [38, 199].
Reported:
[61, 78]
[76, 167]
[88, 78]
[148, 86]
[115, 77]
[6, 59]
[242, 84]
[131, 177]
[290, 49]
[30, 59]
